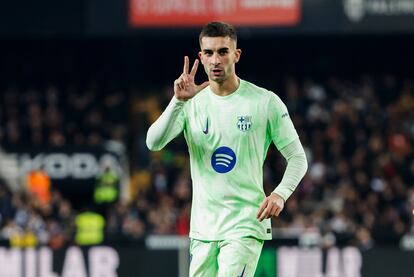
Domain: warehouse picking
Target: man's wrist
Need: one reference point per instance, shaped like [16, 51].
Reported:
[279, 195]
[178, 100]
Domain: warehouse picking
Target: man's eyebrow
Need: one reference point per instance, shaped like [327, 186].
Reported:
[220, 49]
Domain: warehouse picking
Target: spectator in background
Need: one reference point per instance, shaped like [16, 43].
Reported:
[39, 185]
[90, 227]
[106, 189]
[125, 223]
[6, 206]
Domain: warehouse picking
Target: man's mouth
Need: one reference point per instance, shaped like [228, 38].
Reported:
[216, 71]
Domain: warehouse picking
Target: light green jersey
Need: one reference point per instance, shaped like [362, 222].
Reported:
[228, 138]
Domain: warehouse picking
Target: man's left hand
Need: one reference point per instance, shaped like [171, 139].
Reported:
[271, 206]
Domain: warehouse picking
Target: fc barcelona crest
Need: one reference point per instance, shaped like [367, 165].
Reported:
[244, 123]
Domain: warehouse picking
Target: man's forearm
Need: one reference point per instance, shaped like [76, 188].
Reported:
[166, 127]
[296, 168]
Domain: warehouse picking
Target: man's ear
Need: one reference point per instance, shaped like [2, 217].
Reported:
[238, 54]
[200, 54]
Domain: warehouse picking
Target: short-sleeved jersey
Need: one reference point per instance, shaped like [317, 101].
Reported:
[228, 138]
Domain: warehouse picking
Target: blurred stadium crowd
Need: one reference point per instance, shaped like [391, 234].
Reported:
[64, 116]
[358, 135]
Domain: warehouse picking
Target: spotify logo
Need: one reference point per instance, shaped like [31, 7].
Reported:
[223, 159]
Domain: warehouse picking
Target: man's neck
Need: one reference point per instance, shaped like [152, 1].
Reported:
[227, 87]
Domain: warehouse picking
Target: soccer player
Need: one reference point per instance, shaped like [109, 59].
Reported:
[228, 124]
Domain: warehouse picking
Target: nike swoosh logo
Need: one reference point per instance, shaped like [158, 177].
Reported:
[205, 130]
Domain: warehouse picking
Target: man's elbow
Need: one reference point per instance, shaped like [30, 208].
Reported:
[305, 164]
[152, 145]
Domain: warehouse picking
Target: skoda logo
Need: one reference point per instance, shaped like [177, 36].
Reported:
[223, 159]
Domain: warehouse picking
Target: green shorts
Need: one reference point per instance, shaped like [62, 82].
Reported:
[225, 258]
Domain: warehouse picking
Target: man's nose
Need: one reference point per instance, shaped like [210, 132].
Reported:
[215, 59]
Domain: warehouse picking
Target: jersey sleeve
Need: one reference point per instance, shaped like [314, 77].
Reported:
[296, 168]
[169, 125]
[279, 125]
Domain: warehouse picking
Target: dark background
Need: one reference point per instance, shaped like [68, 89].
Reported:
[91, 40]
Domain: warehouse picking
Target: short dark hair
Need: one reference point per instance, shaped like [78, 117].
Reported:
[218, 29]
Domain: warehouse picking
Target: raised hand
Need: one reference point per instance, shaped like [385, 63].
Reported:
[184, 86]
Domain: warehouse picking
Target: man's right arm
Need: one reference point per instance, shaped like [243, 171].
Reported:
[172, 122]
[167, 126]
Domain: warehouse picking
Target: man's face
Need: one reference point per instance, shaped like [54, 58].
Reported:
[219, 56]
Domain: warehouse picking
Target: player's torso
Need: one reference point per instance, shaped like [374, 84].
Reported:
[223, 130]
[227, 143]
